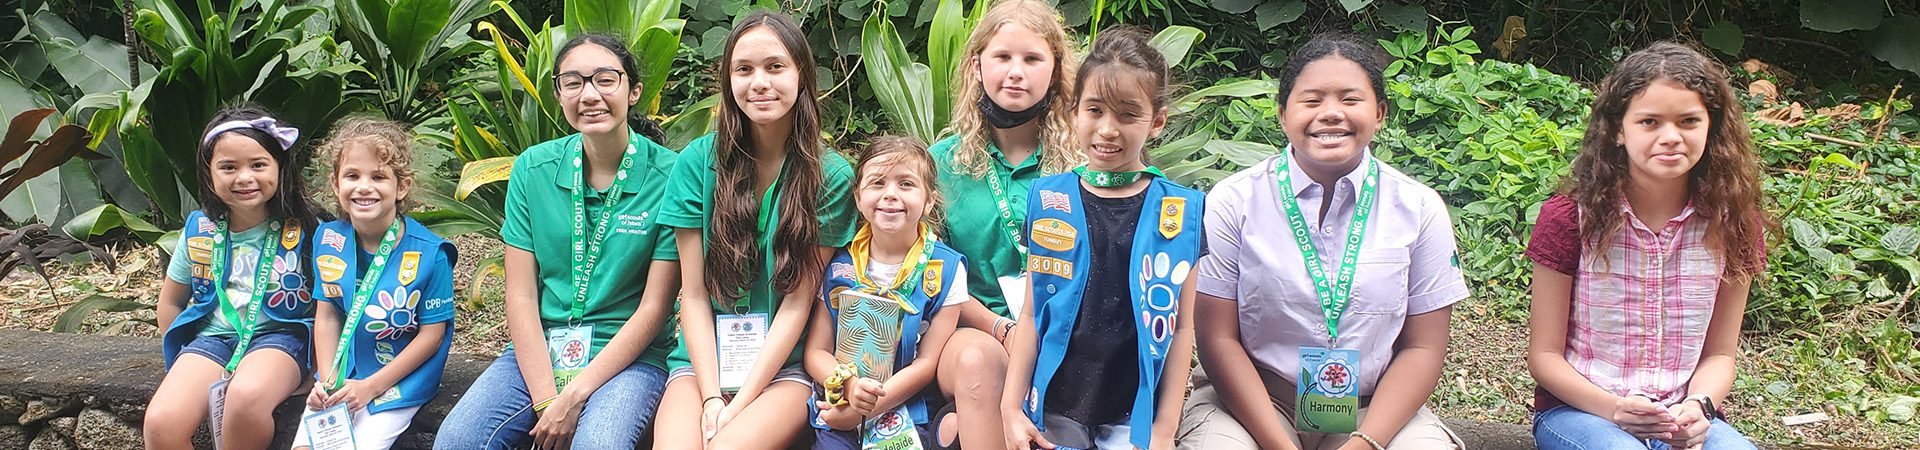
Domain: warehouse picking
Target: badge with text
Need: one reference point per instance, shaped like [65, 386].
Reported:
[891, 430]
[216, 409]
[740, 337]
[330, 428]
[1329, 390]
[569, 348]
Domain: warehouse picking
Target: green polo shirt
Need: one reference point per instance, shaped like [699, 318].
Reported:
[539, 201]
[690, 200]
[974, 226]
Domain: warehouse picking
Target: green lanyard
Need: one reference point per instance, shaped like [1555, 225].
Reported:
[586, 247]
[361, 293]
[1114, 179]
[242, 323]
[1333, 295]
[1005, 202]
[769, 207]
[904, 282]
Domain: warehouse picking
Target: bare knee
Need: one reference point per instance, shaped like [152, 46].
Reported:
[167, 424]
[982, 371]
[253, 399]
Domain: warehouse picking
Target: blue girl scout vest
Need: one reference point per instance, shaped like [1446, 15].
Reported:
[941, 270]
[287, 301]
[381, 337]
[1166, 245]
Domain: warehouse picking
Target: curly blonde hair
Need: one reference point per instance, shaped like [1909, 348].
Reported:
[390, 142]
[970, 158]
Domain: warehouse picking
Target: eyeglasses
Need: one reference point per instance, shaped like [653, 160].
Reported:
[571, 84]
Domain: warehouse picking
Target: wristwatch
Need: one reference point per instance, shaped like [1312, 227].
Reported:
[1706, 406]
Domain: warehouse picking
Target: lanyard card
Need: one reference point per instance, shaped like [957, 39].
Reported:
[569, 347]
[1329, 390]
[740, 338]
[216, 409]
[892, 430]
[1014, 289]
[330, 428]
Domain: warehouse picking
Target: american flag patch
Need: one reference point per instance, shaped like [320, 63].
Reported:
[842, 270]
[1056, 201]
[333, 239]
[206, 226]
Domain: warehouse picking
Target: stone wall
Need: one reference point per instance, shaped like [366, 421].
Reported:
[87, 392]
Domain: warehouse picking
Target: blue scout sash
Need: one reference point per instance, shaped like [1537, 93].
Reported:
[336, 255]
[288, 302]
[1166, 244]
[932, 292]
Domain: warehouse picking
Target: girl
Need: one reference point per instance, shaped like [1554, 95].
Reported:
[1010, 127]
[382, 358]
[757, 209]
[899, 200]
[1326, 269]
[587, 304]
[235, 306]
[1650, 247]
[1101, 354]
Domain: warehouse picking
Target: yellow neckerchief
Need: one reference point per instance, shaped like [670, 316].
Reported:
[861, 247]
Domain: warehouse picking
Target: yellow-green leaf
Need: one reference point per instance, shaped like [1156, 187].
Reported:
[480, 173]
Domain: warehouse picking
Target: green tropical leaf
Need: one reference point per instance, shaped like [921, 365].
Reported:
[105, 218]
[1725, 37]
[1237, 89]
[1835, 16]
[1893, 42]
[1353, 6]
[483, 172]
[1900, 239]
[412, 26]
[1175, 41]
[904, 87]
[75, 315]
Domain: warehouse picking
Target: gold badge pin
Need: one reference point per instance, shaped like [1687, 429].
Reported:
[932, 280]
[1173, 213]
[409, 267]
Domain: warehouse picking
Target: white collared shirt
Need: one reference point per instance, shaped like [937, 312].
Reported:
[1407, 264]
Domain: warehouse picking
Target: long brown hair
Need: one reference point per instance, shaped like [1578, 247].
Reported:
[732, 241]
[1056, 131]
[1724, 186]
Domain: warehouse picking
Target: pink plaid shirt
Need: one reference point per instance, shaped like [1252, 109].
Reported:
[1640, 306]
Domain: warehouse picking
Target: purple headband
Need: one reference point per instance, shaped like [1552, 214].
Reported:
[286, 135]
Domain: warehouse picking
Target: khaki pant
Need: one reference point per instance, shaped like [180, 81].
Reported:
[1205, 423]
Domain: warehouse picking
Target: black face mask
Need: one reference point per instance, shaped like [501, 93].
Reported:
[1002, 118]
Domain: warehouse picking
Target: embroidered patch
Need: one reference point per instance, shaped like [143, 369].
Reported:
[200, 250]
[841, 270]
[931, 281]
[1173, 214]
[1050, 266]
[331, 290]
[290, 237]
[206, 225]
[1058, 201]
[332, 268]
[333, 238]
[1055, 234]
[409, 267]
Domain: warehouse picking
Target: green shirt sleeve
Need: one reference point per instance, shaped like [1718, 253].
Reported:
[516, 230]
[689, 187]
[836, 211]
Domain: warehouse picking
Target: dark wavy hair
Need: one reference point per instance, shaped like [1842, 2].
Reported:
[636, 122]
[1371, 58]
[289, 201]
[1724, 186]
[732, 227]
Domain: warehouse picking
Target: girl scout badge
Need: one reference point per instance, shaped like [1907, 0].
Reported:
[1328, 392]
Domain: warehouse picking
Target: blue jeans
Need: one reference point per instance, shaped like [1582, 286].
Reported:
[220, 348]
[1568, 428]
[496, 412]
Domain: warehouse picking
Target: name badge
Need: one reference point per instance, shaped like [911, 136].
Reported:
[740, 338]
[216, 409]
[569, 348]
[1014, 289]
[890, 431]
[1329, 390]
[330, 428]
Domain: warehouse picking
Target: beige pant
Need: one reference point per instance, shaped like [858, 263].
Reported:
[1205, 423]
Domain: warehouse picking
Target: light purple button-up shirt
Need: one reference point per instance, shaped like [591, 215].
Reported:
[1407, 264]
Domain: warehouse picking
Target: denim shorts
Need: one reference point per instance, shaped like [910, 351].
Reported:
[220, 348]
